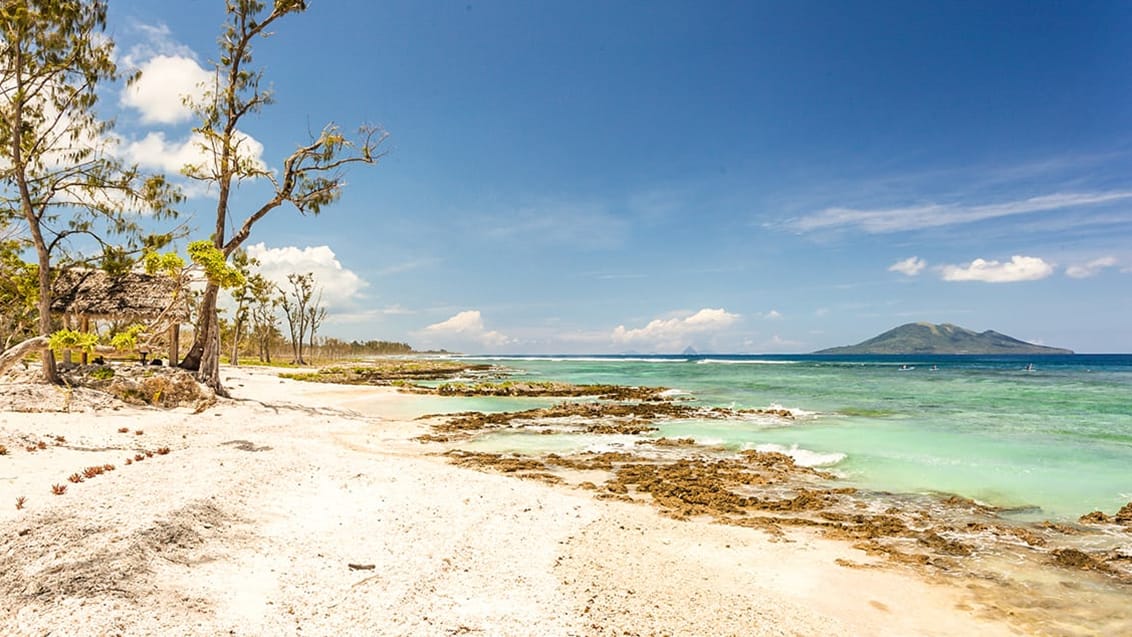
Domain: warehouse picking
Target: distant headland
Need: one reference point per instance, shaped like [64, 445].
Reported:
[928, 338]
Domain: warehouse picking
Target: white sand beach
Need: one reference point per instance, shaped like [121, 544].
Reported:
[283, 512]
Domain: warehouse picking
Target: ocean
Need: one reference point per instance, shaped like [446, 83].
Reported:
[1044, 437]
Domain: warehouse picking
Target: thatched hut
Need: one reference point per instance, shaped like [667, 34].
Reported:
[154, 300]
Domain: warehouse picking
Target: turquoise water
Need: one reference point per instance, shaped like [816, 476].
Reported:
[1054, 441]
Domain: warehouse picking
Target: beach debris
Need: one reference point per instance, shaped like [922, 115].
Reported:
[361, 567]
[246, 445]
[20, 502]
[165, 387]
[123, 430]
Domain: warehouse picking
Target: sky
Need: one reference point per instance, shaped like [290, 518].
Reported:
[631, 176]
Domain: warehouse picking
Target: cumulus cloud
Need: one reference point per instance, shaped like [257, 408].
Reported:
[340, 286]
[467, 326]
[909, 267]
[772, 315]
[157, 152]
[1019, 268]
[166, 80]
[673, 333]
[1092, 268]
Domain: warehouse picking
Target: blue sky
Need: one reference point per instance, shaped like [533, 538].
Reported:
[586, 177]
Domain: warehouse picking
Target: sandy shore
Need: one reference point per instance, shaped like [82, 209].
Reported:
[282, 512]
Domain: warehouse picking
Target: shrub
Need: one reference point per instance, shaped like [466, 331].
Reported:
[102, 373]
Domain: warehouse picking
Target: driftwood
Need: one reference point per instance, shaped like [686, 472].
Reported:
[16, 353]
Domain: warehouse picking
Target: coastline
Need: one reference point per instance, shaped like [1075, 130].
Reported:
[251, 524]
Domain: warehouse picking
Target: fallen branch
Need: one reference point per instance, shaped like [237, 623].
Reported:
[16, 353]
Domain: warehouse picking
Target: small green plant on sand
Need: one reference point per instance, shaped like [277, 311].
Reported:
[102, 373]
[71, 339]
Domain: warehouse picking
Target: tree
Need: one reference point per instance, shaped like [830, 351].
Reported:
[242, 295]
[310, 177]
[316, 314]
[296, 304]
[59, 176]
[19, 292]
[265, 322]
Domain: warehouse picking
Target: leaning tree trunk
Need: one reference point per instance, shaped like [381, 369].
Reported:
[207, 319]
[14, 355]
[209, 372]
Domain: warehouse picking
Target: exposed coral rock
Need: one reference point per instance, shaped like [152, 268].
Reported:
[1096, 517]
[1075, 558]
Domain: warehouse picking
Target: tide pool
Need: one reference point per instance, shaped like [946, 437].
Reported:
[1054, 441]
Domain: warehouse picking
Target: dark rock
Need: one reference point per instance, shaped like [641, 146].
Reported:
[1124, 515]
[1096, 517]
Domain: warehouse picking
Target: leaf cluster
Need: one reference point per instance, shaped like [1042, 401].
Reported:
[215, 265]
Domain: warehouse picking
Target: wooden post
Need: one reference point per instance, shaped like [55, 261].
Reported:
[174, 343]
[84, 326]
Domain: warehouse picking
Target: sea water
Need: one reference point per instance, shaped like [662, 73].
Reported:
[1048, 437]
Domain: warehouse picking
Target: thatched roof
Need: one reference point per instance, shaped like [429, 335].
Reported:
[132, 295]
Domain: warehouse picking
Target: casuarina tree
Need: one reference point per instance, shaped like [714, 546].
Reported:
[60, 179]
[309, 178]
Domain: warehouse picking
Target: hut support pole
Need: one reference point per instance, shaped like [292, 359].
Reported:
[84, 326]
[174, 343]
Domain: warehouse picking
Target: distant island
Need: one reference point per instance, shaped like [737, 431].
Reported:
[928, 338]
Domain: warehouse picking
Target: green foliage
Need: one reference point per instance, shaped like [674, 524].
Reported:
[102, 373]
[61, 176]
[127, 339]
[72, 339]
[19, 293]
[169, 263]
[212, 260]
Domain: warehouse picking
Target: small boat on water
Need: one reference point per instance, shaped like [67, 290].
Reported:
[1029, 367]
[906, 368]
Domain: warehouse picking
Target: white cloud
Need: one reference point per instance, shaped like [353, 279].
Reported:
[467, 326]
[910, 266]
[164, 83]
[935, 215]
[157, 152]
[1092, 268]
[673, 333]
[1019, 268]
[340, 286]
[772, 315]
